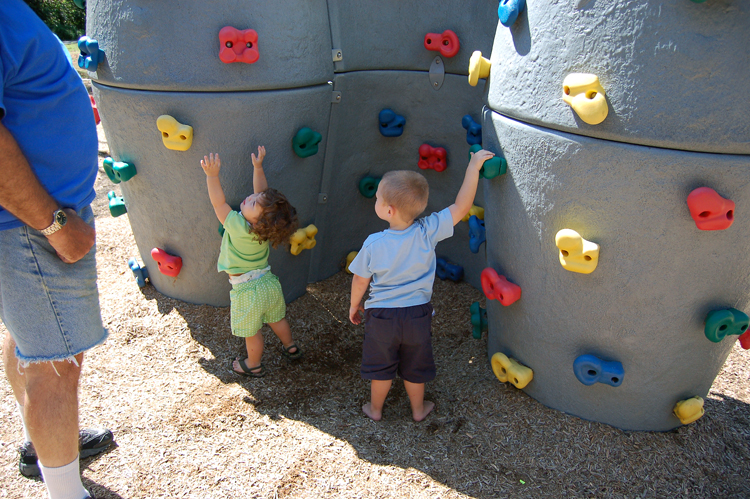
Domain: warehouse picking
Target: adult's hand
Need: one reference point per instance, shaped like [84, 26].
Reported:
[73, 241]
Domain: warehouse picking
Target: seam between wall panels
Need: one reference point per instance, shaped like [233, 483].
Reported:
[321, 210]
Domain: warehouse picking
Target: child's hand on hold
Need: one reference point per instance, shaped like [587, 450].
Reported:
[211, 165]
[258, 161]
[478, 158]
[354, 313]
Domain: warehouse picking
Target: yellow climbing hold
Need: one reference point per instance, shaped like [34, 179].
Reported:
[585, 95]
[689, 410]
[303, 239]
[507, 369]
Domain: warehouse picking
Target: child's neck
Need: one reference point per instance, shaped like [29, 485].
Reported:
[400, 224]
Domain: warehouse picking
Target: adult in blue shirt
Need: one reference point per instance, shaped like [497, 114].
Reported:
[49, 301]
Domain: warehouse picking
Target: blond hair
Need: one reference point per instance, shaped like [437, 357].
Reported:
[405, 190]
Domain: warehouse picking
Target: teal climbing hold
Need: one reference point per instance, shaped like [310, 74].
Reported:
[116, 204]
[720, 323]
[118, 171]
[368, 186]
[492, 167]
[478, 320]
[305, 142]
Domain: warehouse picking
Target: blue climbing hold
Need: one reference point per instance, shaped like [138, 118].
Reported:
[473, 130]
[477, 234]
[390, 123]
[590, 369]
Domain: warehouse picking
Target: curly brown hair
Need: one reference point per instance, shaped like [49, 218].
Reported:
[279, 218]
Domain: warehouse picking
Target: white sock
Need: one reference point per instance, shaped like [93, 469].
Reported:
[26, 437]
[64, 482]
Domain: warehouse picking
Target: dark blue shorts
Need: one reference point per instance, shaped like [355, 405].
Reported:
[398, 341]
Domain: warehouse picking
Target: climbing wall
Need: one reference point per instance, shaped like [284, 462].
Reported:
[328, 67]
[611, 115]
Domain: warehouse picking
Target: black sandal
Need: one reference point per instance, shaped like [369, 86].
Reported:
[291, 355]
[248, 371]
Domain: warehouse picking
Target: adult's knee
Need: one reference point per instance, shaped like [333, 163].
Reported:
[61, 375]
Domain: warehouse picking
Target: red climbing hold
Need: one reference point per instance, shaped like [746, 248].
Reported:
[434, 158]
[169, 265]
[446, 43]
[497, 287]
[238, 46]
[709, 210]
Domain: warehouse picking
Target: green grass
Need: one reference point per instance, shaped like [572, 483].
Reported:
[74, 53]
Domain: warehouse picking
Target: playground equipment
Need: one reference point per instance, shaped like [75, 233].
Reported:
[617, 166]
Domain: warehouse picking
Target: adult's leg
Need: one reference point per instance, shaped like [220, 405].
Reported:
[378, 392]
[10, 362]
[51, 410]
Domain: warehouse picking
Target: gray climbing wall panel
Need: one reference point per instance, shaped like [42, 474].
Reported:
[675, 72]
[175, 46]
[357, 149]
[674, 76]
[167, 200]
[657, 277]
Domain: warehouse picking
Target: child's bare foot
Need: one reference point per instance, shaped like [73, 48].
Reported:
[427, 408]
[375, 416]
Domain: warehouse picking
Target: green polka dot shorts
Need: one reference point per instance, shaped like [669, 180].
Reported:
[255, 303]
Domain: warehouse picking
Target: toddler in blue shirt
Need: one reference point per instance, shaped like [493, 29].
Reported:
[399, 266]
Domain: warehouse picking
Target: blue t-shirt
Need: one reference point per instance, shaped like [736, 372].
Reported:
[402, 262]
[46, 108]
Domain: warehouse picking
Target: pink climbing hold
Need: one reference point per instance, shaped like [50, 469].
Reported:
[446, 43]
[709, 210]
[434, 158]
[169, 265]
[497, 287]
[238, 45]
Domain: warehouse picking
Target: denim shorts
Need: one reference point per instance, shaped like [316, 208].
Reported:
[50, 308]
[398, 341]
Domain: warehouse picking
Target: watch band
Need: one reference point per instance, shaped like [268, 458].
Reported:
[58, 222]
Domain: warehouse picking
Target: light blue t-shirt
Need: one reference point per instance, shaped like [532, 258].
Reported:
[46, 108]
[402, 262]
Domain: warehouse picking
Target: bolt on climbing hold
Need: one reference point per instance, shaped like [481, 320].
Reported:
[477, 233]
[478, 320]
[689, 410]
[508, 11]
[475, 210]
[473, 130]
[139, 271]
[349, 258]
[118, 171]
[368, 186]
[446, 43]
[447, 270]
[175, 135]
[303, 239]
[709, 210]
[720, 323]
[305, 142]
[510, 370]
[497, 287]
[433, 158]
[586, 96]
[492, 167]
[479, 67]
[576, 253]
[91, 55]
[169, 265]
[116, 204]
[238, 45]
[81, 4]
[390, 123]
[590, 369]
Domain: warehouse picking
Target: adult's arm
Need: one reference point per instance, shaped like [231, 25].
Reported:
[23, 195]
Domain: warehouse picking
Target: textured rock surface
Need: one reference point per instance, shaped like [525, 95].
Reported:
[658, 275]
[675, 72]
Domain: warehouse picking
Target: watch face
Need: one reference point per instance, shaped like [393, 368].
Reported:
[61, 217]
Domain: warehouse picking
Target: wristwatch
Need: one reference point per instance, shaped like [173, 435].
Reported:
[59, 221]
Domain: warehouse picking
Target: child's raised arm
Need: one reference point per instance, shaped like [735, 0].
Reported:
[211, 165]
[468, 190]
[259, 176]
